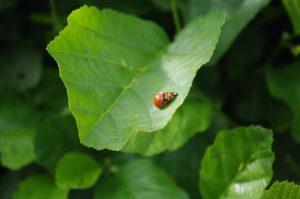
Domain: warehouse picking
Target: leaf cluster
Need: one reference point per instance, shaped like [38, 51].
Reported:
[77, 118]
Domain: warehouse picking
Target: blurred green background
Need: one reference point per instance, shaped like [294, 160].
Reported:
[33, 97]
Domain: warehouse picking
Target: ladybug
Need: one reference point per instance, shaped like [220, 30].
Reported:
[162, 99]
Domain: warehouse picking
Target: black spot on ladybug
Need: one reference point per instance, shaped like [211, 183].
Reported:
[162, 99]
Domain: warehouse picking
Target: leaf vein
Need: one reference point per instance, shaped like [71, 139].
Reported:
[130, 68]
[110, 38]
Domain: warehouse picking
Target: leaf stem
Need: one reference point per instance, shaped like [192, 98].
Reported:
[175, 15]
[271, 56]
[56, 23]
[284, 42]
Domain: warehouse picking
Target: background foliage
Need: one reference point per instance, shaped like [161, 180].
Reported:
[232, 132]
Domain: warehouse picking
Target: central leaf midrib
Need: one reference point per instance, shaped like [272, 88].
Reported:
[139, 72]
[129, 85]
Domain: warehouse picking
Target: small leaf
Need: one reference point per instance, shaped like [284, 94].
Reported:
[15, 112]
[39, 186]
[112, 65]
[51, 138]
[139, 179]
[238, 164]
[282, 190]
[240, 13]
[77, 171]
[17, 130]
[293, 9]
[296, 50]
[194, 116]
[16, 148]
[284, 84]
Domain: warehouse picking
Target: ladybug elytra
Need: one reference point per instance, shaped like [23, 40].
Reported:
[162, 99]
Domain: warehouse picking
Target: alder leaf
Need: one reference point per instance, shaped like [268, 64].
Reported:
[238, 165]
[280, 190]
[112, 64]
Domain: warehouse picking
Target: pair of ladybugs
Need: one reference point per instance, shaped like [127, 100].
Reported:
[162, 99]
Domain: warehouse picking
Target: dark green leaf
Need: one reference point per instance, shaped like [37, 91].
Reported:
[111, 78]
[39, 186]
[293, 9]
[16, 113]
[51, 139]
[194, 116]
[20, 69]
[240, 13]
[189, 155]
[296, 50]
[282, 190]
[77, 171]
[139, 179]
[284, 84]
[17, 130]
[51, 94]
[16, 147]
[238, 164]
[188, 158]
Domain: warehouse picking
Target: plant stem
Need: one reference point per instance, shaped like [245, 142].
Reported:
[56, 23]
[271, 56]
[53, 12]
[175, 15]
[283, 43]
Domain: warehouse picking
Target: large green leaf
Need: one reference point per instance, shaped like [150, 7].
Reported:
[39, 186]
[77, 171]
[192, 117]
[284, 84]
[240, 13]
[51, 138]
[293, 9]
[282, 190]
[238, 164]
[112, 65]
[139, 179]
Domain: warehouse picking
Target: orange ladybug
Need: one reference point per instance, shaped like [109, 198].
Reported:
[162, 99]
